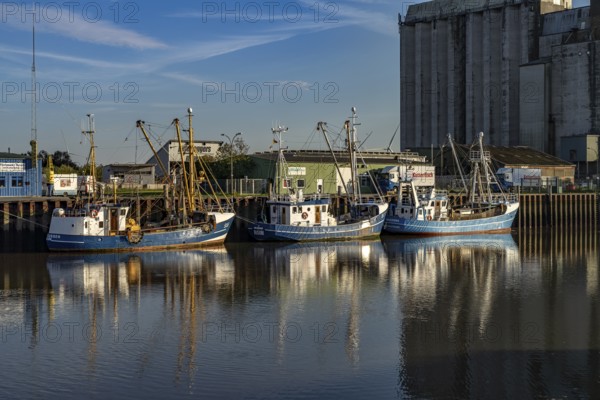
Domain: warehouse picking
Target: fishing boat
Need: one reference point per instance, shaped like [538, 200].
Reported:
[290, 215]
[426, 211]
[97, 225]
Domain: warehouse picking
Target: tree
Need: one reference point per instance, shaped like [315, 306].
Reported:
[236, 155]
[43, 155]
[63, 158]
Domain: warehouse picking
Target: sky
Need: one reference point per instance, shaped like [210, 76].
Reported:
[242, 66]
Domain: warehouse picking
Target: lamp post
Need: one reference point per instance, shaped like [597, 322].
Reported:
[231, 139]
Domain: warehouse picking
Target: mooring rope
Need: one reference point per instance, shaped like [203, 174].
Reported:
[244, 219]
[24, 219]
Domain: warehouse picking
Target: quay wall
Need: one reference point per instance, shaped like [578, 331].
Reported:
[536, 210]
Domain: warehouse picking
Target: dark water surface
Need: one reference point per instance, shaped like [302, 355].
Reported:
[495, 316]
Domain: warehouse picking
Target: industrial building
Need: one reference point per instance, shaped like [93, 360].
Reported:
[580, 150]
[139, 174]
[525, 72]
[314, 171]
[169, 156]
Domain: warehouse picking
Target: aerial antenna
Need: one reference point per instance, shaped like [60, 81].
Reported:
[34, 91]
[33, 142]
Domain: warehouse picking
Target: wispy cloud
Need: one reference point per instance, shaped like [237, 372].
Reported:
[362, 14]
[183, 77]
[203, 50]
[304, 17]
[70, 59]
[73, 26]
[162, 59]
[103, 33]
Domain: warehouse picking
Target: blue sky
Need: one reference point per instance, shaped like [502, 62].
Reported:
[242, 67]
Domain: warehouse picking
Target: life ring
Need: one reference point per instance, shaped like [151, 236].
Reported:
[429, 218]
[304, 215]
[94, 213]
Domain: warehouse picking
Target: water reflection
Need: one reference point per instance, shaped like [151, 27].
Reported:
[466, 317]
[481, 316]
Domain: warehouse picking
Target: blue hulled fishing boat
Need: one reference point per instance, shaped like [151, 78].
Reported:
[425, 211]
[293, 216]
[96, 225]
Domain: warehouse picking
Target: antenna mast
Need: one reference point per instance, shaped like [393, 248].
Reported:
[33, 142]
[34, 92]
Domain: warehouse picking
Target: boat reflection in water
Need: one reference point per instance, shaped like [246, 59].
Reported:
[114, 275]
[441, 317]
[229, 319]
[479, 320]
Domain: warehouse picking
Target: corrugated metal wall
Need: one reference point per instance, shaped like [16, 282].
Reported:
[19, 179]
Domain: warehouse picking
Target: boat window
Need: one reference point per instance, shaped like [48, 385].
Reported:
[85, 224]
[101, 224]
[274, 210]
[431, 204]
[123, 211]
[443, 203]
[308, 209]
[323, 208]
[294, 210]
[420, 211]
[300, 209]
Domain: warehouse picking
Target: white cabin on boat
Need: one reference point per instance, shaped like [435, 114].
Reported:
[101, 220]
[429, 205]
[300, 211]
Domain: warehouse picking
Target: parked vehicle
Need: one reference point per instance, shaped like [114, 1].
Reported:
[65, 185]
[86, 184]
[509, 178]
[389, 178]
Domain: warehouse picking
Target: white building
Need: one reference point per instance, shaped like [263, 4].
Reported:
[170, 154]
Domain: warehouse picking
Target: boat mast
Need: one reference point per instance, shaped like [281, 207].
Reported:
[92, 155]
[460, 171]
[280, 158]
[192, 159]
[140, 124]
[352, 145]
[322, 127]
[185, 177]
[485, 169]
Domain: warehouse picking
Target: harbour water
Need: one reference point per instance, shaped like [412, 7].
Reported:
[492, 316]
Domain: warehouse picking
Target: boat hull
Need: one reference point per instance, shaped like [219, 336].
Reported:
[496, 224]
[154, 240]
[262, 231]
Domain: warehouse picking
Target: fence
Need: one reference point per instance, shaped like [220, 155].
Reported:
[244, 186]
